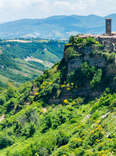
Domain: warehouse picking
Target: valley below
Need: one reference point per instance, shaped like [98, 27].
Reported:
[67, 110]
[24, 60]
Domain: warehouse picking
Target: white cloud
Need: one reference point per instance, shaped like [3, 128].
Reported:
[17, 9]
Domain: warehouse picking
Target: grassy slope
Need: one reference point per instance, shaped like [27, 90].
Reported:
[70, 128]
[14, 67]
[77, 126]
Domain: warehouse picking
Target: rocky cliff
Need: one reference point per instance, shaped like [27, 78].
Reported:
[90, 61]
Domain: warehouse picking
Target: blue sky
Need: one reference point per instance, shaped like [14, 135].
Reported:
[18, 9]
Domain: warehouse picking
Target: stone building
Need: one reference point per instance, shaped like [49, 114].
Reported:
[108, 26]
[108, 40]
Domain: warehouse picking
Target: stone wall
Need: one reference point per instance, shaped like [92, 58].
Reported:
[108, 43]
[74, 64]
[96, 61]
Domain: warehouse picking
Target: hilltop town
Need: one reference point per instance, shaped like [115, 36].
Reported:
[70, 110]
[105, 43]
[108, 39]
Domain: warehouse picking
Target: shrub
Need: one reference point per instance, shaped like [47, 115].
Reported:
[45, 123]
[90, 41]
[2, 100]
[82, 42]
[62, 151]
[71, 39]
[71, 52]
[89, 153]
[5, 141]
[87, 71]
[79, 151]
[58, 118]
[77, 101]
[11, 92]
[75, 143]
[10, 105]
[28, 130]
[96, 78]
[71, 76]
[42, 151]
[62, 138]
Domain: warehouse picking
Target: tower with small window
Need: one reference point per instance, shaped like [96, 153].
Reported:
[109, 26]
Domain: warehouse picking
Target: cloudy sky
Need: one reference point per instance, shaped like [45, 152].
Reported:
[18, 9]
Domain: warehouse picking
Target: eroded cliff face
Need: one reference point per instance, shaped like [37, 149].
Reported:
[97, 52]
[76, 63]
[88, 69]
[91, 65]
[108, 42]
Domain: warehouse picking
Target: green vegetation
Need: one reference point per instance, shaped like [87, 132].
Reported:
[74, 127]
[60, 113]
[82, 42]
[22, 61]
[71, 52]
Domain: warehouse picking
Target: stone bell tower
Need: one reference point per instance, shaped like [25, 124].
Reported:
[108, 26]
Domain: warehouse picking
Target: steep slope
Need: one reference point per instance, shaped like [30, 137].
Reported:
[46, 117]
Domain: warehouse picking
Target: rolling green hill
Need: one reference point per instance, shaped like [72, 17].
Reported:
[21, 60]
[49, 116]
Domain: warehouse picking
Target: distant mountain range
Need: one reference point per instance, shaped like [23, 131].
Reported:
[55, 27]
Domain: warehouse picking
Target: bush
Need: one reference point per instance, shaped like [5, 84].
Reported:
[87, 71]
[11, 92]
[79, 151]
[10, 105]
[75, 143]
[96, 78]
[28, 130]
[5, 141]
[42, 152]
[82, 42]
[62, 151]
[2, 100]
[58, 118]
[62, 138]
[45, 123]
[71, 53]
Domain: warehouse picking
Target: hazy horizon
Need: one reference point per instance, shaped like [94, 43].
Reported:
[11, 10]
[53, 16]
